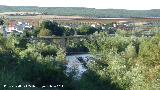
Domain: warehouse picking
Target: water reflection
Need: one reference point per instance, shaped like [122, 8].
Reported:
[78, 63]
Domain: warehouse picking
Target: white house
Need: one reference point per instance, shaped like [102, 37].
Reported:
[18, 27]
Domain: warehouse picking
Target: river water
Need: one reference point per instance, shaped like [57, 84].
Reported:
[74, 64]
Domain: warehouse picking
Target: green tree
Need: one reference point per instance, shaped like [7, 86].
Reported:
[110, 28]
[117, 60]
[45, 32]
[68, 31]
[1, 22]
[86, 30]
[53, 27]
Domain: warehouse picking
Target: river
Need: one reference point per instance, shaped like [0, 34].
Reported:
[73, 63]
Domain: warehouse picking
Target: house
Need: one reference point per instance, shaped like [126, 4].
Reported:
[18, 27]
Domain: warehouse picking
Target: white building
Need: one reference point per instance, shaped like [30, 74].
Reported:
[18, 27]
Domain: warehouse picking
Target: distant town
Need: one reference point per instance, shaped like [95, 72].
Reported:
[20, 21]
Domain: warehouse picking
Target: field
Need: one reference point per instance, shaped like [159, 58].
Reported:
[36, 20]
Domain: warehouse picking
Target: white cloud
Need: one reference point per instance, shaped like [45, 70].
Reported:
[104, 4]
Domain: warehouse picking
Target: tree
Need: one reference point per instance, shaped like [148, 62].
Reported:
[68, 31]
[130, 52]
[45, 32]
[1, 22]
[110, 28]
[86, 30]
[53, 27]
[118, 60]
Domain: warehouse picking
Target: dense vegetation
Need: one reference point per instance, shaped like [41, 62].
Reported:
[80, 11]
[51, 28]
[120, 63]
[30, 63]
[1, 22]
[124, 61]
[132, 63]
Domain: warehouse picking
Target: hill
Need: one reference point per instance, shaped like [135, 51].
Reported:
[81, 11]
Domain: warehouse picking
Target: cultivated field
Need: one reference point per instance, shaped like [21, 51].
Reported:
[36, 20]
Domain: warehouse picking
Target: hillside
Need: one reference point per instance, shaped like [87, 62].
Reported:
[81, 11]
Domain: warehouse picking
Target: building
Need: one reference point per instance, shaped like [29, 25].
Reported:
[18, 27]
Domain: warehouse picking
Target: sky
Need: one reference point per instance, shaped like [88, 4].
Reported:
[98, 4]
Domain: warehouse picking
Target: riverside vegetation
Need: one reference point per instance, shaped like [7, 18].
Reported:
[121, 63]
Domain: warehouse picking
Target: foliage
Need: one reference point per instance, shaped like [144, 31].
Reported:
[109, 28]
[75, 47]
[8, 79]
[1, 22]
[45, 32]
[133, 64]
[119, 63]
[86, 30]
[68, 31]
[39, 60]
[52, 26]
[29, 33]
[38, 64]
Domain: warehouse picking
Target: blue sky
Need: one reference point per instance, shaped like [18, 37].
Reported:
[99, 4]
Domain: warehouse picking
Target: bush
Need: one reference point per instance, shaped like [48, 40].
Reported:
[38, 64]
[132, 64]
[41, 66]
[86, 30]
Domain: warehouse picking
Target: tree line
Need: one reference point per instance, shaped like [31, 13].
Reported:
[52, 28]
[80, 11]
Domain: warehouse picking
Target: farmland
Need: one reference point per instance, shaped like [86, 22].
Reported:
[36, 20]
